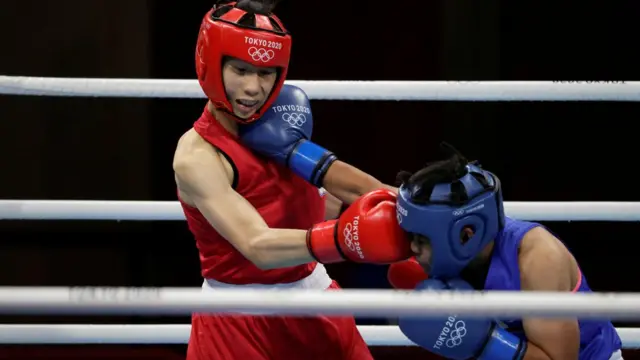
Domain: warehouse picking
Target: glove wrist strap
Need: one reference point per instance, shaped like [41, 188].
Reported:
[322, 243]
[310, 161]
[503, 345]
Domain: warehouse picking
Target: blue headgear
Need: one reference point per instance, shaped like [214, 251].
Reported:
[442, 220]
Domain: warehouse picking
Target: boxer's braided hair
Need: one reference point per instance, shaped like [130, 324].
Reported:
[252, 7]
[421, 183]
[262, 7]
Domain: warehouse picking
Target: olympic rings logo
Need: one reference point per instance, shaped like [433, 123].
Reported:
[400, 213]
[348, 238]
[261, 54]
[294, 119]
[458, 332]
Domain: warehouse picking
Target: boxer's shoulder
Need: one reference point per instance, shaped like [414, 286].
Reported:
[192, 146]
[539, 241]
[536, 239]
[194, 156]
[544, 262]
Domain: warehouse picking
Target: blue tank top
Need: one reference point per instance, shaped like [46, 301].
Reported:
[598, 339]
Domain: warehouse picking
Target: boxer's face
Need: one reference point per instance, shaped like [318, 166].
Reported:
[421, 246]
[247, 86]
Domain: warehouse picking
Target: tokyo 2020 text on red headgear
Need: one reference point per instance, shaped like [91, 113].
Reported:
[265, 43]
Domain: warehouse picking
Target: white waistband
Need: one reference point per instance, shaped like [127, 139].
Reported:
[318, 279]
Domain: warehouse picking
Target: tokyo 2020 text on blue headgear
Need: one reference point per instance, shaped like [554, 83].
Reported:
[442, 220]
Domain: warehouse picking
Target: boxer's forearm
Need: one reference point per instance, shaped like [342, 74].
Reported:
[392, 188]
[279, 248]
[348, 183]
[332, 206]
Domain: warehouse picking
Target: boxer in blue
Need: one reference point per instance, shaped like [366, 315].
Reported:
[454, 211]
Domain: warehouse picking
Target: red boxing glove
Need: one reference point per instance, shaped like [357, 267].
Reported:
[367, 232]
[405, 275]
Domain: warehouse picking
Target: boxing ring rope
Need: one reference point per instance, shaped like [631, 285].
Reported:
[339, 90]
[179, 334]
[292, 302]
[171, 210]
[301, 302]
[367, 303]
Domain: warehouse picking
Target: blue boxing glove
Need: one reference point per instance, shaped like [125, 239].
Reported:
[283, 134]
[457, 337]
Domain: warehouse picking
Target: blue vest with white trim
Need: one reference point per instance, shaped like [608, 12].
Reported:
[598, 339]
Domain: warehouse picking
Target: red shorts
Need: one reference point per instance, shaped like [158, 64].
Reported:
[238, 337]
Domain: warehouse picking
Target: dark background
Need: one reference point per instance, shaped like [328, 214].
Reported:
[121, 149]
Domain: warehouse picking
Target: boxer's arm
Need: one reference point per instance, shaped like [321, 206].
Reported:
[201, 177]
[348, 183]
[332, 206]
[392, 188]
[545, 266]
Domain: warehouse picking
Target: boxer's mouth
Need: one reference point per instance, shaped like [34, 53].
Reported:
[247, 105]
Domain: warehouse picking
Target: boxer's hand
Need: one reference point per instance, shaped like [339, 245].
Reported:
[283, 134]
[367, 232]
[459, 337]
[406, 275]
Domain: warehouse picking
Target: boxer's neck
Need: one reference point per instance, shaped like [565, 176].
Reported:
[223, 118]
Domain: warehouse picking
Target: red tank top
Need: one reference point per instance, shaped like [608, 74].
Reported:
[283, 199]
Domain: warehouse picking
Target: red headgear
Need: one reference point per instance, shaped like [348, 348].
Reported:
[266, 43]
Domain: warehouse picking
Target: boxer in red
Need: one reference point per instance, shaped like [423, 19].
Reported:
[260, 221]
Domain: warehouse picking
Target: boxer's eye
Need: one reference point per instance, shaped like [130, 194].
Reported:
[267, 72]
[240, 70]
[421, 240]
[419, 244]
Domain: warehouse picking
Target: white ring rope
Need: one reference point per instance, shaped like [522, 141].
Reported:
[173, 334]
[370, 303]
[339, 90]
[296, 302]
[179, 334]
[171, 210]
